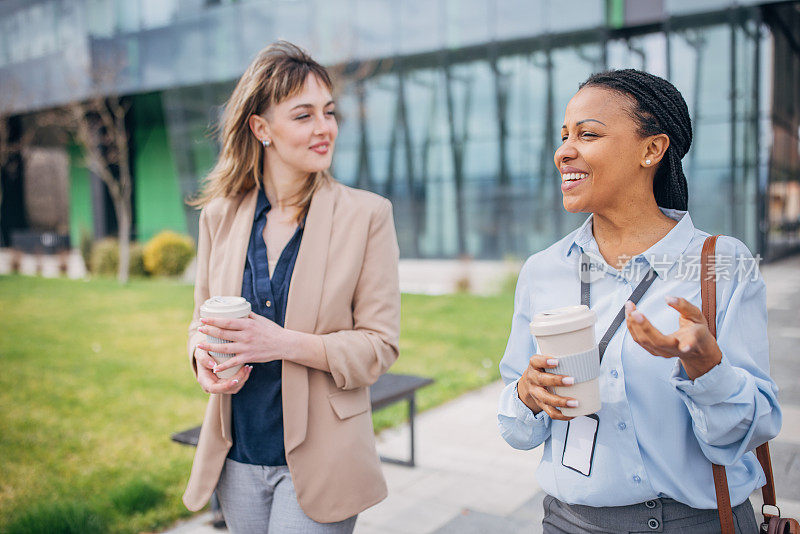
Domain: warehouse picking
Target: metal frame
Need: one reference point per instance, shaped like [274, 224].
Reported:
[412, 411]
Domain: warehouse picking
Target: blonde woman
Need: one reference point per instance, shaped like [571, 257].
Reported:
[288, 442]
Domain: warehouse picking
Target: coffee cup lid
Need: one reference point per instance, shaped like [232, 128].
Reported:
[562, 320]
[228, 307]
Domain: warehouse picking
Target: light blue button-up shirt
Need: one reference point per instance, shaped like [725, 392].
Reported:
[658, 431]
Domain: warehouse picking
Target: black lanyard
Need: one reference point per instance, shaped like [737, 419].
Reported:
[586, 299]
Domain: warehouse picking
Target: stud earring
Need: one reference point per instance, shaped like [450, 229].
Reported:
[266, 142]
[647, 162]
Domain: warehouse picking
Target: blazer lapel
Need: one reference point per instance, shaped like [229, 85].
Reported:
[305, 292]
[231, 282]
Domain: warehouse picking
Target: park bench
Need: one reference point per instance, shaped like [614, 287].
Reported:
[389, 389]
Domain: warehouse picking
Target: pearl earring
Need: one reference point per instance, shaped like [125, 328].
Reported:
[265, 142]
[647, 162]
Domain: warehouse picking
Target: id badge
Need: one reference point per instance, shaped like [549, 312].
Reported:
[580, 442]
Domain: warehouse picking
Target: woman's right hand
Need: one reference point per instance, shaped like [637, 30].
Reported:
[532, 388]
[210, 382]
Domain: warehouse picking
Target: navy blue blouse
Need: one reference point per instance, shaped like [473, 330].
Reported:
[257, 409]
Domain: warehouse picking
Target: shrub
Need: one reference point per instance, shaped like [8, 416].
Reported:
[463, 284]
[105, 257]
[86, 242]
[168, 253]
[58, 518]
[135, 497]
[136, 267]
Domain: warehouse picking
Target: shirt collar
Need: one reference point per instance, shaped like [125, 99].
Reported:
[262, 204]
[661, 256]
[584, 239]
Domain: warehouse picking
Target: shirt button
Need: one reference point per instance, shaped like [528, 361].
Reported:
[269, 303]
[653, 523]
[614, 373]
[636, 478]
[623, 426]
[650, 504]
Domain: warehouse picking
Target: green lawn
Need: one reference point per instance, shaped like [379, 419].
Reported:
[95, 379]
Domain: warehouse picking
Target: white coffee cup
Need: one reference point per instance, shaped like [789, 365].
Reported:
[224, 308]
[567, 334]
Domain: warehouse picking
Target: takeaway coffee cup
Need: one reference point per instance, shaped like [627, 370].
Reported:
[567, 334]
[224, 308]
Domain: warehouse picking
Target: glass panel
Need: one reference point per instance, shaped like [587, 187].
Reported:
[345, 162]
[582, 14]
[375, 28]
[190, 114]
[100, 18]
[745, 153]
[530, 158]
[418, 33]
[519, 18]
[423, 105]
[381, 111]
[647, 52]
[702, 72]
[467, 22]
[157, 13]
[129, 15]
[681, 7]
[476, 111]
[784, 166]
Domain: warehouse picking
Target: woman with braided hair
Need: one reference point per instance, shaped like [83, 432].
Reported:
[674, 398]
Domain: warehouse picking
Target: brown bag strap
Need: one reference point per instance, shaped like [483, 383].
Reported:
[724, 507]
[708, 292]
[768, 489]
[708, 283]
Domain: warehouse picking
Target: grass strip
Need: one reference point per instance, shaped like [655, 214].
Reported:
[95, 379]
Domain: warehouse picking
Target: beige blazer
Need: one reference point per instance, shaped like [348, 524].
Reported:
[345, 288]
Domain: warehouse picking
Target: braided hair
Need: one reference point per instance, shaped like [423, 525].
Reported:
[658, 108]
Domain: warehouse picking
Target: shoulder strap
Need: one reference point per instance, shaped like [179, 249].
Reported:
[708, 283]
[708, 291]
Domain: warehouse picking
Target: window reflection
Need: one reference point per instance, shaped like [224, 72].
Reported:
[463, 146]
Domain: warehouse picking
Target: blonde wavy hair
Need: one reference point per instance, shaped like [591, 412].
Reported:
[278, 72]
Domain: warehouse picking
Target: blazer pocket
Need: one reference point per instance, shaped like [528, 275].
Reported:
[348, 403]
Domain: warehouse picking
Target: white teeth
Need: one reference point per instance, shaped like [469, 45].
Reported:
[572, 176]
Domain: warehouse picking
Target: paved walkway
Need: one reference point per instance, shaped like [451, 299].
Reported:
[469, 481]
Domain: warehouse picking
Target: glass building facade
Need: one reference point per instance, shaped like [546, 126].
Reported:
[453, 109]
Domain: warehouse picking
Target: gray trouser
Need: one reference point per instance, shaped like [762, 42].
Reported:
[260, 499]
[658, 515]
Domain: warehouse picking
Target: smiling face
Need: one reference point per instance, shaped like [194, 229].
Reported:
[301, 129]
[602, 156]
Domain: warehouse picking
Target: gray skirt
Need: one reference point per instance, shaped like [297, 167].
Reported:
[658, 515]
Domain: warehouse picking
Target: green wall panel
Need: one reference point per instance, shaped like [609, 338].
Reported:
[80, 197]
[159, 204]
[615, 13]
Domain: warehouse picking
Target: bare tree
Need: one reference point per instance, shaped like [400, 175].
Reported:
[98, 125]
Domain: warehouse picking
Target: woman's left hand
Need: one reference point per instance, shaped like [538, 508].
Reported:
[692, 342]
[255, 339]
